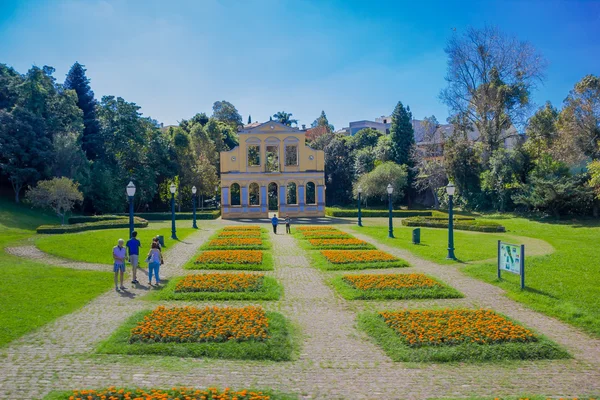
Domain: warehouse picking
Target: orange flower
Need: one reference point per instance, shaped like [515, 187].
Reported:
[221, 282]
[242, 228]
[230, 257]
[235, 242]
[451, 327]
[357, 256]
[246, 233]
[186, 393]
[338, 242]
[316, 228]
[390, 281]
[325, 234]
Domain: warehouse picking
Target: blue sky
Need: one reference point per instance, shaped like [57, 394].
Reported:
[353, 59]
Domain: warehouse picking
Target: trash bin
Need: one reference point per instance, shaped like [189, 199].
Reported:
[161, 240]
[417, 236]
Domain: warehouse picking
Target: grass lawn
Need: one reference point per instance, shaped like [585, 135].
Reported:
[279, 347]
[31, 293]
[270, 290]
[397, 350]
[323, 264]
[266, 265]
[96, 246]
[349, 292]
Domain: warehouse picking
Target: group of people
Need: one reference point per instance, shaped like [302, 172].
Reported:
[131, 252]
[275, 222]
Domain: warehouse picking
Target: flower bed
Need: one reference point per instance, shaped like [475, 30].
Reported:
[230, 257]
[316, 228]
[325, 234]
[452, 327]
[246, 233]
[219, 282]
[242, 228]
[339, 243]
[390, 281]
[357, 256]
[236, 242]
[209, 324]
[114, 393]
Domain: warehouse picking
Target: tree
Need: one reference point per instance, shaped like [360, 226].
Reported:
[541, 130]
[285, 118]
[383, 150]
[77, 80]
[364, 138]
[594, 171]
[430, 173]
[9, 80]
[503, 177]
[490, 77]
[57, 194]
[226, 112]
[364, 161]
[339, 167]
[322, 121]
[374, 184]
[402, 135]
[463, 164]
[579, 121]
[249, 119]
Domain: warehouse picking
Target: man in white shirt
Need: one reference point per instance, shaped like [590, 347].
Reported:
[119, 253]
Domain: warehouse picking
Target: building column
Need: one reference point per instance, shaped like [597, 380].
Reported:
[320, 197]
[244, 200]
[264, 199]
[282, 198]
[301, 197]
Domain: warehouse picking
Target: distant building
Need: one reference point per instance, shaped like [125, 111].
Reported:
[317, 131]
[382, 124]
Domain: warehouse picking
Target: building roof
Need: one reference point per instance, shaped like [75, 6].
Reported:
[316, 132]
[276, 127]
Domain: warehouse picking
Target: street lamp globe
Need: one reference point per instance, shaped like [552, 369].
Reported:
[173, 188]
[130, 189]
[450, 189]
[359, 189]
[390, 189]
[194, 189]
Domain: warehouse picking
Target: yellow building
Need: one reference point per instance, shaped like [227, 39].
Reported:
[272, 171]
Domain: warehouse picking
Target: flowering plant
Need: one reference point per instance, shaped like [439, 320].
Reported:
[357, 256]
[230, 257]
[220, 282]
[235, 242]
[390, 281]
[113, 393]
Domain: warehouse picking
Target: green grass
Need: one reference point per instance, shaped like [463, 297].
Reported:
[397, 350]
[323, 264]
[563, 284]
[33, 294]
[267, 264]
[96, 246]
[273, 395]
[349, 292]
[279, 347]
[270, 290]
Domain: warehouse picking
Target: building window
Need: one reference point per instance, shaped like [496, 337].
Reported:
[292, 195]
[253, 156]
[254, 194]
[235, 195]
[272, 158]
[311, 195]
[291, 155]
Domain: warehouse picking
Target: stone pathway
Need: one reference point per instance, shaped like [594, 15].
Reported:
[336, 360]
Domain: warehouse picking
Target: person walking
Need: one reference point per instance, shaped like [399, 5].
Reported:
[119, 253]
[154, 260]
[274, 221]
[133, 247]
[288, 221]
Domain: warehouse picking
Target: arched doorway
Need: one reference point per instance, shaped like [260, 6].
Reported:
[273, 196]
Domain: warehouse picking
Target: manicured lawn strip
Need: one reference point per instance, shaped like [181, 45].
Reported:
[323, 264]
[279, 347]
[270, 290]
[96, 246]
[397, 350]
[351, 293]
[272, 395]
[267, 264]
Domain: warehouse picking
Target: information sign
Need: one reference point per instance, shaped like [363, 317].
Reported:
[511, 258]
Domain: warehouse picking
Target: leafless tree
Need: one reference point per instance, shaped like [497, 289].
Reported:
[430, 173]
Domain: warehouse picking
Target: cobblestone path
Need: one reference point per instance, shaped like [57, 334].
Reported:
[335, 361]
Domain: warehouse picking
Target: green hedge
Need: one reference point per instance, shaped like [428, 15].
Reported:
[82, 219]
[460, 224]
[89, 226]
[166, 216]
[340, 212]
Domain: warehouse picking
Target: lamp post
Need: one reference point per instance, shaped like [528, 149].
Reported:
[194, 206]
[130, 193]
[450, 189]
[359, 213]
[173, 230]
[390, 190]
[216, 193]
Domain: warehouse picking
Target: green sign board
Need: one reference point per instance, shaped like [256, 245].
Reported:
[511, 258]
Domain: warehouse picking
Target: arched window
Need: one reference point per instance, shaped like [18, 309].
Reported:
[235, 195]
[311, 193]
[254, 194]
[292, 196]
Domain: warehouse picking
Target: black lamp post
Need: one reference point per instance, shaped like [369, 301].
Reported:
[173, 230]
[359, 213]
[130, 193]
[194, 206]
[390, 190]
[450, 189]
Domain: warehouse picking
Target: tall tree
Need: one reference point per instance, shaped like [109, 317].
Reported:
[430, 173]
[323, 121]
[76, 80]
[226, 112]
[402, 135]
[285, 118]
[249, 119]
[339, 166]
[490, 77]
[541, 130]
[9, 80]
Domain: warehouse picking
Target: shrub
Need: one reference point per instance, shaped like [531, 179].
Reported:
[90, 226]
[82, 219]
[460, 224]
[339, 212]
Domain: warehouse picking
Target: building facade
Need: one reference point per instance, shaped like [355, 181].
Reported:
[272, 171]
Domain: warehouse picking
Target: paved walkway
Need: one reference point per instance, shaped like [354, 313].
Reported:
[336, 360]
